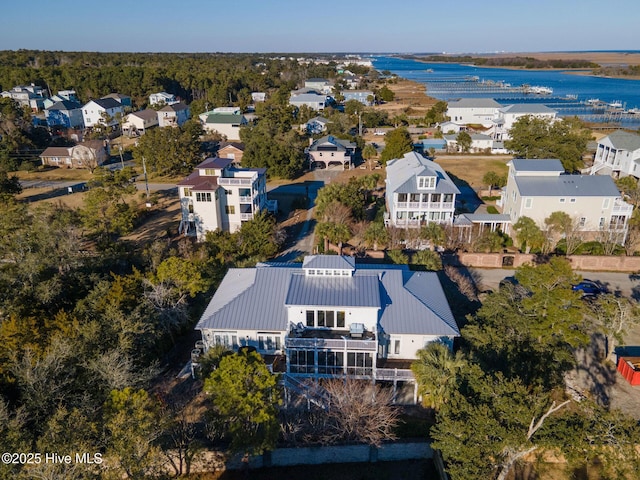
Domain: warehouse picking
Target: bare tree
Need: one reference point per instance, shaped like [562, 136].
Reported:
[359, 411]
[465, 284]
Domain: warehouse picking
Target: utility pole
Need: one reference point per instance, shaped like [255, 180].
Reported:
[146, 180]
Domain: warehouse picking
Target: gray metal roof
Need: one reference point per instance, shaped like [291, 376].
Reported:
[537, 165]
[531, 108]
[106, 102]
[567, 186]
[340, 143]
[481, 218]
[402, 175]
[255, 298]
[337, 262]
[621, 140]
[351, 291]
[65, 105]
[474, 103]
[307, 97]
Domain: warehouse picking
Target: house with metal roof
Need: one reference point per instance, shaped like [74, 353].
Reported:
[618, 155]
[507, 116]
[320, 84]
[419, 191]
[218, 196]
[330, 149]
[226, 124]
[473, 111]
[160, 98]
[537, 188]
[365, 97]
[316, 125]
[331, 317]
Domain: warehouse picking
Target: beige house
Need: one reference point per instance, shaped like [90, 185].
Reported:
[225, 124]
[90, 154]
[537, 188]
[232, 151]
[174, 115]
[329, 149]
[137, 123]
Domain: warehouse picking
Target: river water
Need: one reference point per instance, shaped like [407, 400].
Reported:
[448, 81]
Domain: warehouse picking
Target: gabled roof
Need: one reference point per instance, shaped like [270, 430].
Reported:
[527, 108]
[65, 105]
[474, 103]
[106, 103]
[117, 96]
[256, 298]
[238, 145]
[307, 97]
[147, 114]
[339, 143]
[56, 152]
[174, 107]
[621, 140]
[402, 175]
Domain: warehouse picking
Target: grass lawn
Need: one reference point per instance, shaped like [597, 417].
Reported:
[472, 168]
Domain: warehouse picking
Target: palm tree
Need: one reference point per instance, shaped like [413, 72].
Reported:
[436, 371]
[427, 259]
[369, 153]
[336, 233]
[434, 233]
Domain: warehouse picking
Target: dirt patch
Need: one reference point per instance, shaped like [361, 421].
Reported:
[55, 173]
[410, 99]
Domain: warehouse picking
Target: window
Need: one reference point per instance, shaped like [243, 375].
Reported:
[340, 319]
[330, 362]
[426, 182]
[321, 317]
[227, 339]
[311, 318]
[301, 361]
[268, 341]
[190, 207]
[605, 203]
[528, 203]
[573, 200]
[562, 200]
[230, 209]
[209, 172]
[396, 346]
[601, 224]
[359, 363]
[203, 196]
[583, 221]
[187, 192]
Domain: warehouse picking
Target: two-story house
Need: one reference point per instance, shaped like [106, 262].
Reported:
[330, 317]
[89, 154]
[174, 115]
[218, 196]
[537, 188]
[31, 96]
[137, 123]
[618, 155]
[330, 149]
[101, 111]
[419, 191]
[507, 116]
[473, 111]
[225, 124]
[64, 113]
[314, 101]
[322, 85]
[365, 97]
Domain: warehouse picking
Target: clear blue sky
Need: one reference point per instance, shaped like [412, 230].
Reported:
[324, 26]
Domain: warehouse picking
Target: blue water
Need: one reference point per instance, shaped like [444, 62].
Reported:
[585, 87]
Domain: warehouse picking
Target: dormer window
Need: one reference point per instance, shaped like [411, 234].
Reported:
[427, 183]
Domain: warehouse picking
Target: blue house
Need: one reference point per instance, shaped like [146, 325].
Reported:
[361, 96]
[65, 113]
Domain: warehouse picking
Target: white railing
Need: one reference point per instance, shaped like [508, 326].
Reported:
[246, 198]
[622, 207]
[234, 181]
[334, 343]
[246, 216]
[425, 205]
[394, 374]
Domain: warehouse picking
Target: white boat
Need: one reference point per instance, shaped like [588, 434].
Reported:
[634, 111]
[538, 90]
[616, 104]
[593, 101]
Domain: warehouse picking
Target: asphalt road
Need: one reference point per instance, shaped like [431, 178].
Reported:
[624, 283]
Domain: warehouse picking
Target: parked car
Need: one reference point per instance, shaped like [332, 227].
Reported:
[588, 288]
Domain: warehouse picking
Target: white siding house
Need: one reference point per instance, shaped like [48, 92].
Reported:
[330, 317]
[94, 112]
[218, 196]
[312, 100]
[473, 111]
[137, 123]
[226, 124]
[507, 116]
[419, 191]
[618, 154]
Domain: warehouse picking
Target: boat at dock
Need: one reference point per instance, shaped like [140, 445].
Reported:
[538, 90]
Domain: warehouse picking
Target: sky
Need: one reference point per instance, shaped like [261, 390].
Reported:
[407, 26]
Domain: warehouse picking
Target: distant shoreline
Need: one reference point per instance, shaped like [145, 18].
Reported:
[604, 59]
